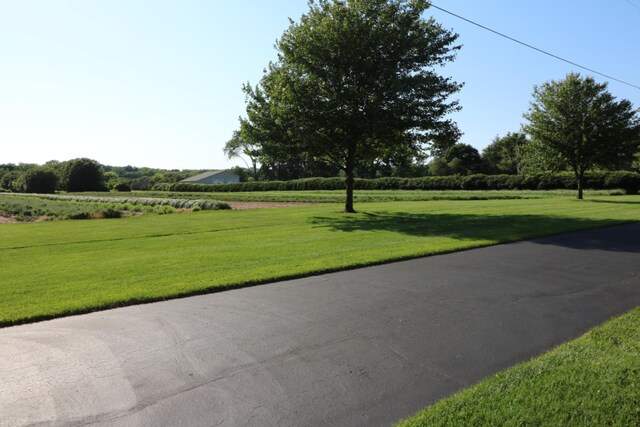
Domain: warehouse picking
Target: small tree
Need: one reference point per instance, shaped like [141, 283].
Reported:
[504, 155]
[111, 178]
[6, 168]
[11, 181]
[39, 180]
[123, 185]
[459, 159]
[83, 175]
[58, 168]
[438, 167]
[355, 82]
[240, 145]
[463, 159]
[577, 121]
[143, 183]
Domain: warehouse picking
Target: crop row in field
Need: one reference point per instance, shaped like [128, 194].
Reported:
[31, 208]
[202, 204]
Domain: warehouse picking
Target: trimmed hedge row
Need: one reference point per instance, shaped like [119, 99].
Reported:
[628, 181]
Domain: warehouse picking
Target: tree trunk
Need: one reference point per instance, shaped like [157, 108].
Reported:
[349, 167]
[348, 206]
[255, 169]
[580, 178]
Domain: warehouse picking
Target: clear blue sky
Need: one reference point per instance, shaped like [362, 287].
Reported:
[158, 82]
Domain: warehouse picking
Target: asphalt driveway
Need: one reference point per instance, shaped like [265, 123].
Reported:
[360, 347]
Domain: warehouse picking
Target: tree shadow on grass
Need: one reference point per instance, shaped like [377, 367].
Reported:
[622, 202]
[491, 228]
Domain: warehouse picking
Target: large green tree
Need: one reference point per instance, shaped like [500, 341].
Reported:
[578, 122]
[355, 81]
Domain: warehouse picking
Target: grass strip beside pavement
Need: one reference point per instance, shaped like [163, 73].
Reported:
[60, 268]
[592, 380]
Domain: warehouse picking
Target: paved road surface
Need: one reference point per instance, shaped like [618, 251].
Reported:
[361, 347]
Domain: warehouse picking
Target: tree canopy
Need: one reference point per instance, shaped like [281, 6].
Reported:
[11, 180]
[83, 175]
[459, 159]
[39, 180]
[577, 122]
[505, 154]
[355, 82]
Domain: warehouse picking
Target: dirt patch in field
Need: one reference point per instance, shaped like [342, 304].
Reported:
[7, 220]
[240, 206]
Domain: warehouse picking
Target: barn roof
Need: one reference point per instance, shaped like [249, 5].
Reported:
[205, 175]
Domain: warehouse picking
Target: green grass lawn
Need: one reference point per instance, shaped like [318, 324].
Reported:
[591, 381]
[338, 196]
[58, 268]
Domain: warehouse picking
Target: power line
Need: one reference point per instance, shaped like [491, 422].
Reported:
[633, 4]
[535, 48]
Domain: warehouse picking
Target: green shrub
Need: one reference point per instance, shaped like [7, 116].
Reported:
[80, 215]
[11, 181]
[627, 181]
[39, 180]
[122, 186]
[164, 209]
[110, 212]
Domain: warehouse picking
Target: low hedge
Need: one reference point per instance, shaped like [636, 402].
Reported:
[628, 181]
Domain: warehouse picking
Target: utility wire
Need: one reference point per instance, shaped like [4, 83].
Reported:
[535, 48]
[633, 4]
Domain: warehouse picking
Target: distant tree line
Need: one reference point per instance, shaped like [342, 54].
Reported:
[510, 154]
[84, 174]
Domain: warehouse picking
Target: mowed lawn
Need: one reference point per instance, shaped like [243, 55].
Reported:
[591, 381]
[58, 268]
